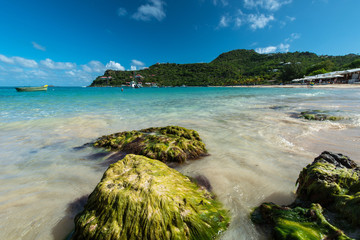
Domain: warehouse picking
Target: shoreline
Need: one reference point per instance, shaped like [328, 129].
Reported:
[346, 86]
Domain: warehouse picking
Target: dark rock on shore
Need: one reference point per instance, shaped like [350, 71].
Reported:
[330, 182]
[142, 198]
[167, 144]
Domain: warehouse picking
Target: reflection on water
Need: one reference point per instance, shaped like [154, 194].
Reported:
[256, 148]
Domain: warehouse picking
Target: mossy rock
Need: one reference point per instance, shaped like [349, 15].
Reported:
[142, 198]
[319, 115]
[167, 144]
[333, 181]
[296, 223]
[330, 182]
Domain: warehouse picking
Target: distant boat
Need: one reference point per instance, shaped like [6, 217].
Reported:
[32, 89]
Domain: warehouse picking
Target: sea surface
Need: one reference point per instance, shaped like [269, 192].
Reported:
[257, 146]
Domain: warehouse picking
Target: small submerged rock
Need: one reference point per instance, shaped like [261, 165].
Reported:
[319, 115]
[167, 144]
[278, 107]
[330, 182]
[142, 198]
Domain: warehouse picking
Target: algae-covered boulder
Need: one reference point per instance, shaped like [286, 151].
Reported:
[296, 223]
[333, 181]
[142, 198]
[319, 115]
[167, 144]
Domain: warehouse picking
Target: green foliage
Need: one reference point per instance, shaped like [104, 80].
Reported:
[245, 67]
[291, 71]
[316, 72]
[326, 66]
[354, 64]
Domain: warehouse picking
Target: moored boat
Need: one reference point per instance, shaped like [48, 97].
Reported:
[32, 89]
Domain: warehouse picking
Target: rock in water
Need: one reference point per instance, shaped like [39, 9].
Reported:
[330, 182]
[142, 198]
[296, 223]
[167, 144]
[333, 181]
[318, 115]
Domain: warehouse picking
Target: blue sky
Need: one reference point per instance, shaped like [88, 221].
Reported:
[69, 43]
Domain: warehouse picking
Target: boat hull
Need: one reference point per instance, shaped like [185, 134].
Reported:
[31, 89]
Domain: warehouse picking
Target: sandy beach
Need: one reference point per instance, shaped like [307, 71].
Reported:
[343, 86]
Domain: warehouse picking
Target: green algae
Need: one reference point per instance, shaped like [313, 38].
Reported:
[167, 144]
[318, 115]
[296, 222]
[142, 198]
[330, 182]
[334, 187]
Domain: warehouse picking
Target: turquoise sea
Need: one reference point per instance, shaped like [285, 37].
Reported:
[257, 147]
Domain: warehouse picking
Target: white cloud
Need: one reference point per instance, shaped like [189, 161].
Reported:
[291, 19]
[272, 49]
[24, 71]
[224, 21]
[86, 68]
[287, 20]
[137, 63]
[71, 73]
[227, 21]
[270, 5]
[6, 59]
[23, 62]
[35, 73]
[224, 2]
[38, 46]
[238, 22]
[29, 63]
[48, 63]
[121, 12]
[293, 37]
[114, 66]
[266, 50]
[282, 47]
[16, 69]
[259, 21]
[154, 9]
[94, 66]
[133, 68]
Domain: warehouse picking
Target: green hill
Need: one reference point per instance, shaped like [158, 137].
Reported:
[236, 67]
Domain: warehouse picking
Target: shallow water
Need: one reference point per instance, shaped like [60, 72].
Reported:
[257, 148]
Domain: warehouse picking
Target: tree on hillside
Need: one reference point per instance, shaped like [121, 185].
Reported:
[316, 72]
[354, 64]
[327, 65]
[290, 72]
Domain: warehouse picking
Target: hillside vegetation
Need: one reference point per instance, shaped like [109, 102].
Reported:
[237, 67]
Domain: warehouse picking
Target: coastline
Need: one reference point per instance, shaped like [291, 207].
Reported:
[347, 86]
